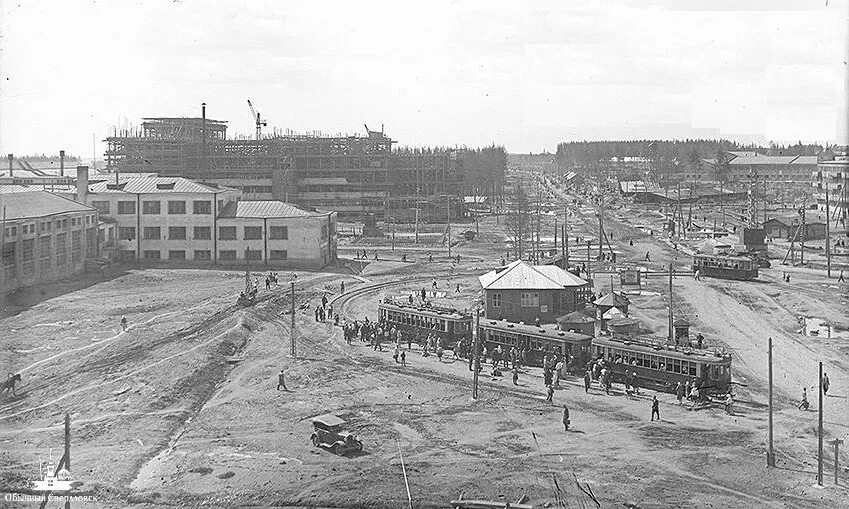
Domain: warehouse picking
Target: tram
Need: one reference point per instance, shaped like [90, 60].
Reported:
[726, 267]
[536, 340]
[448, 324]
[661, 366]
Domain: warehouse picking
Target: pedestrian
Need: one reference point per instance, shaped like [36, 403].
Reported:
[655, 408]
[840, 279]
[458, 258]
[825, 384]
[430, 257]
[550, 397]
[696, 275]
[123, 323]
[515, 375]
[804, 405]
[679, 393]
[281, 380]
[433, 285]
[587, 380]
[396, 354]
[648, 258]
[634, 384]
[424, 295]
[458, 287]
[439, 353]
[324, 301]
[375, 256]
[729, 404]
[403, 358]
[342, 287]
[565, 418]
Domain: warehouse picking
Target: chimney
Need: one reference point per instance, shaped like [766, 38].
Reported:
[82, 183]
[11, 158]
[61, 163]
[843, 122]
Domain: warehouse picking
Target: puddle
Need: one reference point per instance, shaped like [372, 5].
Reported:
[815, 327]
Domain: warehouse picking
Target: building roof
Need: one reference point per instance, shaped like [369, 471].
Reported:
[152, 185]
[15, 188]
[520, 274]
[762, 159]
[612, 299]
[38, 204]
[265, 209]
[580, 316]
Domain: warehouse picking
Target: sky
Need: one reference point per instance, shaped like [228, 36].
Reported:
[525, 75]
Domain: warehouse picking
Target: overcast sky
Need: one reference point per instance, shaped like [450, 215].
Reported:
[523, 74]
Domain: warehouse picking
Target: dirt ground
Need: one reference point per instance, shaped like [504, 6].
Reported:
[182, 408]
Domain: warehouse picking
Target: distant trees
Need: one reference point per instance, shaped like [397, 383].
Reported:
[518, 222]
[484, 170]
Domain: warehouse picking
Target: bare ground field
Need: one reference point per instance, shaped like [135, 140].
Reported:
[181, 409]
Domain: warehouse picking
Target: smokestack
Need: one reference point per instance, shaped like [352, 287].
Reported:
[11, 158]
[82, 183]
[843, 122]
[61, 163]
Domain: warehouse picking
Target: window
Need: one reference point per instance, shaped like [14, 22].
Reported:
[253, 232]
[530, 299]
[176, 233]
[202, 233]
[496, 300]
[253, 254]
[227, 255]
[11, 231]
[203, 255]
[101, 206]
[62, 250]
[227, 233]
[279, 233]
[324, 231]
[151, 233]
[150, 207]
[126, 207]
[126, 232]
[176, 254]
[278, 255]
[151, 255]
[176, 207]
[202, 207]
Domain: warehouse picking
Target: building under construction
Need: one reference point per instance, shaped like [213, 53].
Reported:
[356, 176]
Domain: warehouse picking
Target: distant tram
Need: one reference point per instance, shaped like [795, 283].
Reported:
[537, 340]
[726, 267]
[661, 367]
[450, 325]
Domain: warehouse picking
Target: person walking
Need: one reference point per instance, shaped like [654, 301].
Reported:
[403, 358]
[587, 380]
[804, 405]
[281, 380]
[565, 418]
[655, 408]
[267, 283]
[679, 393]
[697, 275]
[342, 287]
[550, 397]
[124, 323]
[840, 279]
[825, 384]
[515, 375]
[395, 354]
[648, 258]
[729, 404]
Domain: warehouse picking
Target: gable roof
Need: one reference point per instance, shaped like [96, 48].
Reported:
[264, 209]
[38, 204]
[520, 274]
[612, 299]
[150, 185]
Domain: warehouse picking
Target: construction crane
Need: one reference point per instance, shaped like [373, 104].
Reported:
[260, 123]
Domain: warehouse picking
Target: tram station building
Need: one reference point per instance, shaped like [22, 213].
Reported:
[520, 292]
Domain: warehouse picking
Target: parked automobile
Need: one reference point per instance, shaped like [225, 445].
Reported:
[329, 433]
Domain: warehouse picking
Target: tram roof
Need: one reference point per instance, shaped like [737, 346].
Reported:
[654, 346]
[723, 257]
[533, 330]
[438, 312]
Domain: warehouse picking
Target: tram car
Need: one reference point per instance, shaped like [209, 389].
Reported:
[538, 341]
[448, 324]
[660, 366]
[726, 267]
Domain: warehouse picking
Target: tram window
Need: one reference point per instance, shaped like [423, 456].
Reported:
[653, 362]
[692, 366]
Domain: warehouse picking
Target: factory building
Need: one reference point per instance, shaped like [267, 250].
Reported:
[356, 176]
[45, 237]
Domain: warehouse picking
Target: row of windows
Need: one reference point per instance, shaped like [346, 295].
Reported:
[203, 233]
[426, 322]
[223, 255]
[650, 361]
[527, 300]
[153, 207]
[522, 341]
[48, 226]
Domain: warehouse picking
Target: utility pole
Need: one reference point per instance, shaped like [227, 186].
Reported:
[476, 354]
[565, 245]
[448, 210]
[827, 234]
[819, 432]
[770, 458]
[671, 329]
[804, 234]
[292, 329]
[589, 264]
[555, 235]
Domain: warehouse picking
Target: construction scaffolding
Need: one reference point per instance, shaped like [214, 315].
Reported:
[353, 175]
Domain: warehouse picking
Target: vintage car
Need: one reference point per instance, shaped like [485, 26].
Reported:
[329, 433]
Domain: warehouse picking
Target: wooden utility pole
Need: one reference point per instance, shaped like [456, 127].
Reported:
[555, 234]
[589, 272]
[770, 458]
[565, 244]
[476, 354]
[671, 329]
[448, 210]
[804, 234]
[819, 432]
[827, 235]
[292, 329]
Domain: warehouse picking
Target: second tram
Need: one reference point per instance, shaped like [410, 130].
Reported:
[536, 341]
[726, 267]
[448, 324]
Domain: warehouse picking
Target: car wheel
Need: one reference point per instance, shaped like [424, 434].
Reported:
[335, 449]
[314, 440]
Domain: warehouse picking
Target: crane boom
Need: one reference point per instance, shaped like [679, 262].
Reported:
[259, 122]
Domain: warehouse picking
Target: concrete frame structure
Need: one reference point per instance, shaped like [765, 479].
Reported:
[45, 237]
